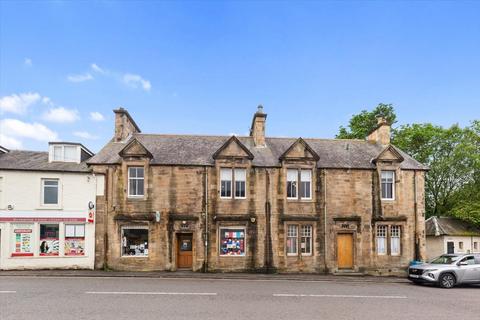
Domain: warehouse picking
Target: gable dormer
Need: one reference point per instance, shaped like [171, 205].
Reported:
[389, 155]
[68, 152]
[299, 150]
[134, 150]
[233, 148]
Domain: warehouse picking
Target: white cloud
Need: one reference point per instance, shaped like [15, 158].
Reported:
[61, 115]
[36, 131]
[85, 135]
[9, 142]
[96, 68]
[27, 62]
[80, 77]
[96, 116]
[18, 103]
[134, 81]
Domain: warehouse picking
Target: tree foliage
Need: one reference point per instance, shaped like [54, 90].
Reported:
[451, 155]
[361, 124]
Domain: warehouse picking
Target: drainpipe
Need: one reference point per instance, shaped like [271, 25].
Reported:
[268, 236]
[415, 240]
[325, 217]
[206, 219]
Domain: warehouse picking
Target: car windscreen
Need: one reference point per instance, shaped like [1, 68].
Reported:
[445, 259]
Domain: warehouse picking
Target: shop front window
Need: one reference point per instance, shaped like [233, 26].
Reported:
[74, 239]
[22, 236]
[381, 239]
[232, 241]
[135, 241]
[49, 240]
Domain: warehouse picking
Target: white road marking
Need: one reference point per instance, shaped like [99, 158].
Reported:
[337, 296]
[8, 291]
[154, 293]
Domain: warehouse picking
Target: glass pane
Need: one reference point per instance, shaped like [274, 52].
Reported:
[132, 172]
[240, 189]
[292, 175]
[232, 242]
[69, 230]
[226, 188]
[50, 183]
[291, 245]
[50, 195]
[80, 230]
[140, 173]
[134, 242]
[306, 175]
[49, 239]
[291, 189]
[225, 174]
[140, 187]
[132, 187]
[240, 174]
[57, 153]
[306, 189]
[70, 153]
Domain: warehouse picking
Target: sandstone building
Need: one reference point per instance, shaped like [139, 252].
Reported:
[257, 203]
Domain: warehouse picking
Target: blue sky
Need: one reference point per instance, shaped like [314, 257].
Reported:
[203, 67]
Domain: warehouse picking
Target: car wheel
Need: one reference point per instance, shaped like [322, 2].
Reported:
[447, 280]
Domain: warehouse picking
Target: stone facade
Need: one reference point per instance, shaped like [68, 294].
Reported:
[183, 197]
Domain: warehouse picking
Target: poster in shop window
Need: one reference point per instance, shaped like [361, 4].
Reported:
[23, 240]
[75, 246]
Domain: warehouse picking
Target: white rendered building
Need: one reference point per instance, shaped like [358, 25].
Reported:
[47, 208]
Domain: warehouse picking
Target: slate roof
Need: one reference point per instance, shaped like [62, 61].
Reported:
[448, 226]
[37, 161]
[198, 150]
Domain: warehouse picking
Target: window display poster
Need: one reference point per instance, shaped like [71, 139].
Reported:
[49, 246]
[232, 242]
[74, 246]
[23, 240]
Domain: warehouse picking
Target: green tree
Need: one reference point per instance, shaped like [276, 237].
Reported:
[452, 155]
[361, 124]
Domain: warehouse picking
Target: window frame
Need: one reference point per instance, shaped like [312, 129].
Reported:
[137, 227]
[63, 147]
[129, 195]
[310, 237]
[233, 182]
[399, 237]
[219, 247]
[299, 189]
[42, 195]
[299, 236]
[384, 236]
[382, 183]
[301, 184]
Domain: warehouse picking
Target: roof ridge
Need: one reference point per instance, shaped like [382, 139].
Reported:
[244, 136]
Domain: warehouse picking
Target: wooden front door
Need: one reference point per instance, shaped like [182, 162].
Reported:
[345, 251]
[184, 251]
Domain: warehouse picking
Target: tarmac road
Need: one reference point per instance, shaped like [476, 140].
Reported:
[228, 299]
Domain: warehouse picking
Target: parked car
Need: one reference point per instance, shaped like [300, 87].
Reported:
[447, 270]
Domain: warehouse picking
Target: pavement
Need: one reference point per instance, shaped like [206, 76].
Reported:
[92, 297]
[348, 277]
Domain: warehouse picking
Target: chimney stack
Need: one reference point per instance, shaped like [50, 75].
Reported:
[257, 130]
[124, 125]
[381, 134]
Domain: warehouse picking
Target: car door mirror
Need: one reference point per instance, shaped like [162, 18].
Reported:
[463, 263]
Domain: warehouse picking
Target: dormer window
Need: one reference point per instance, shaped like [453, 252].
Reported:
[68, 152]
[294, 176]
[236, 178]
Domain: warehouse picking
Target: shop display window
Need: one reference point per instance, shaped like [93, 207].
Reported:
[232, 241]
[22, 238]
[135, 241]
[74, 239]
[49, 239]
